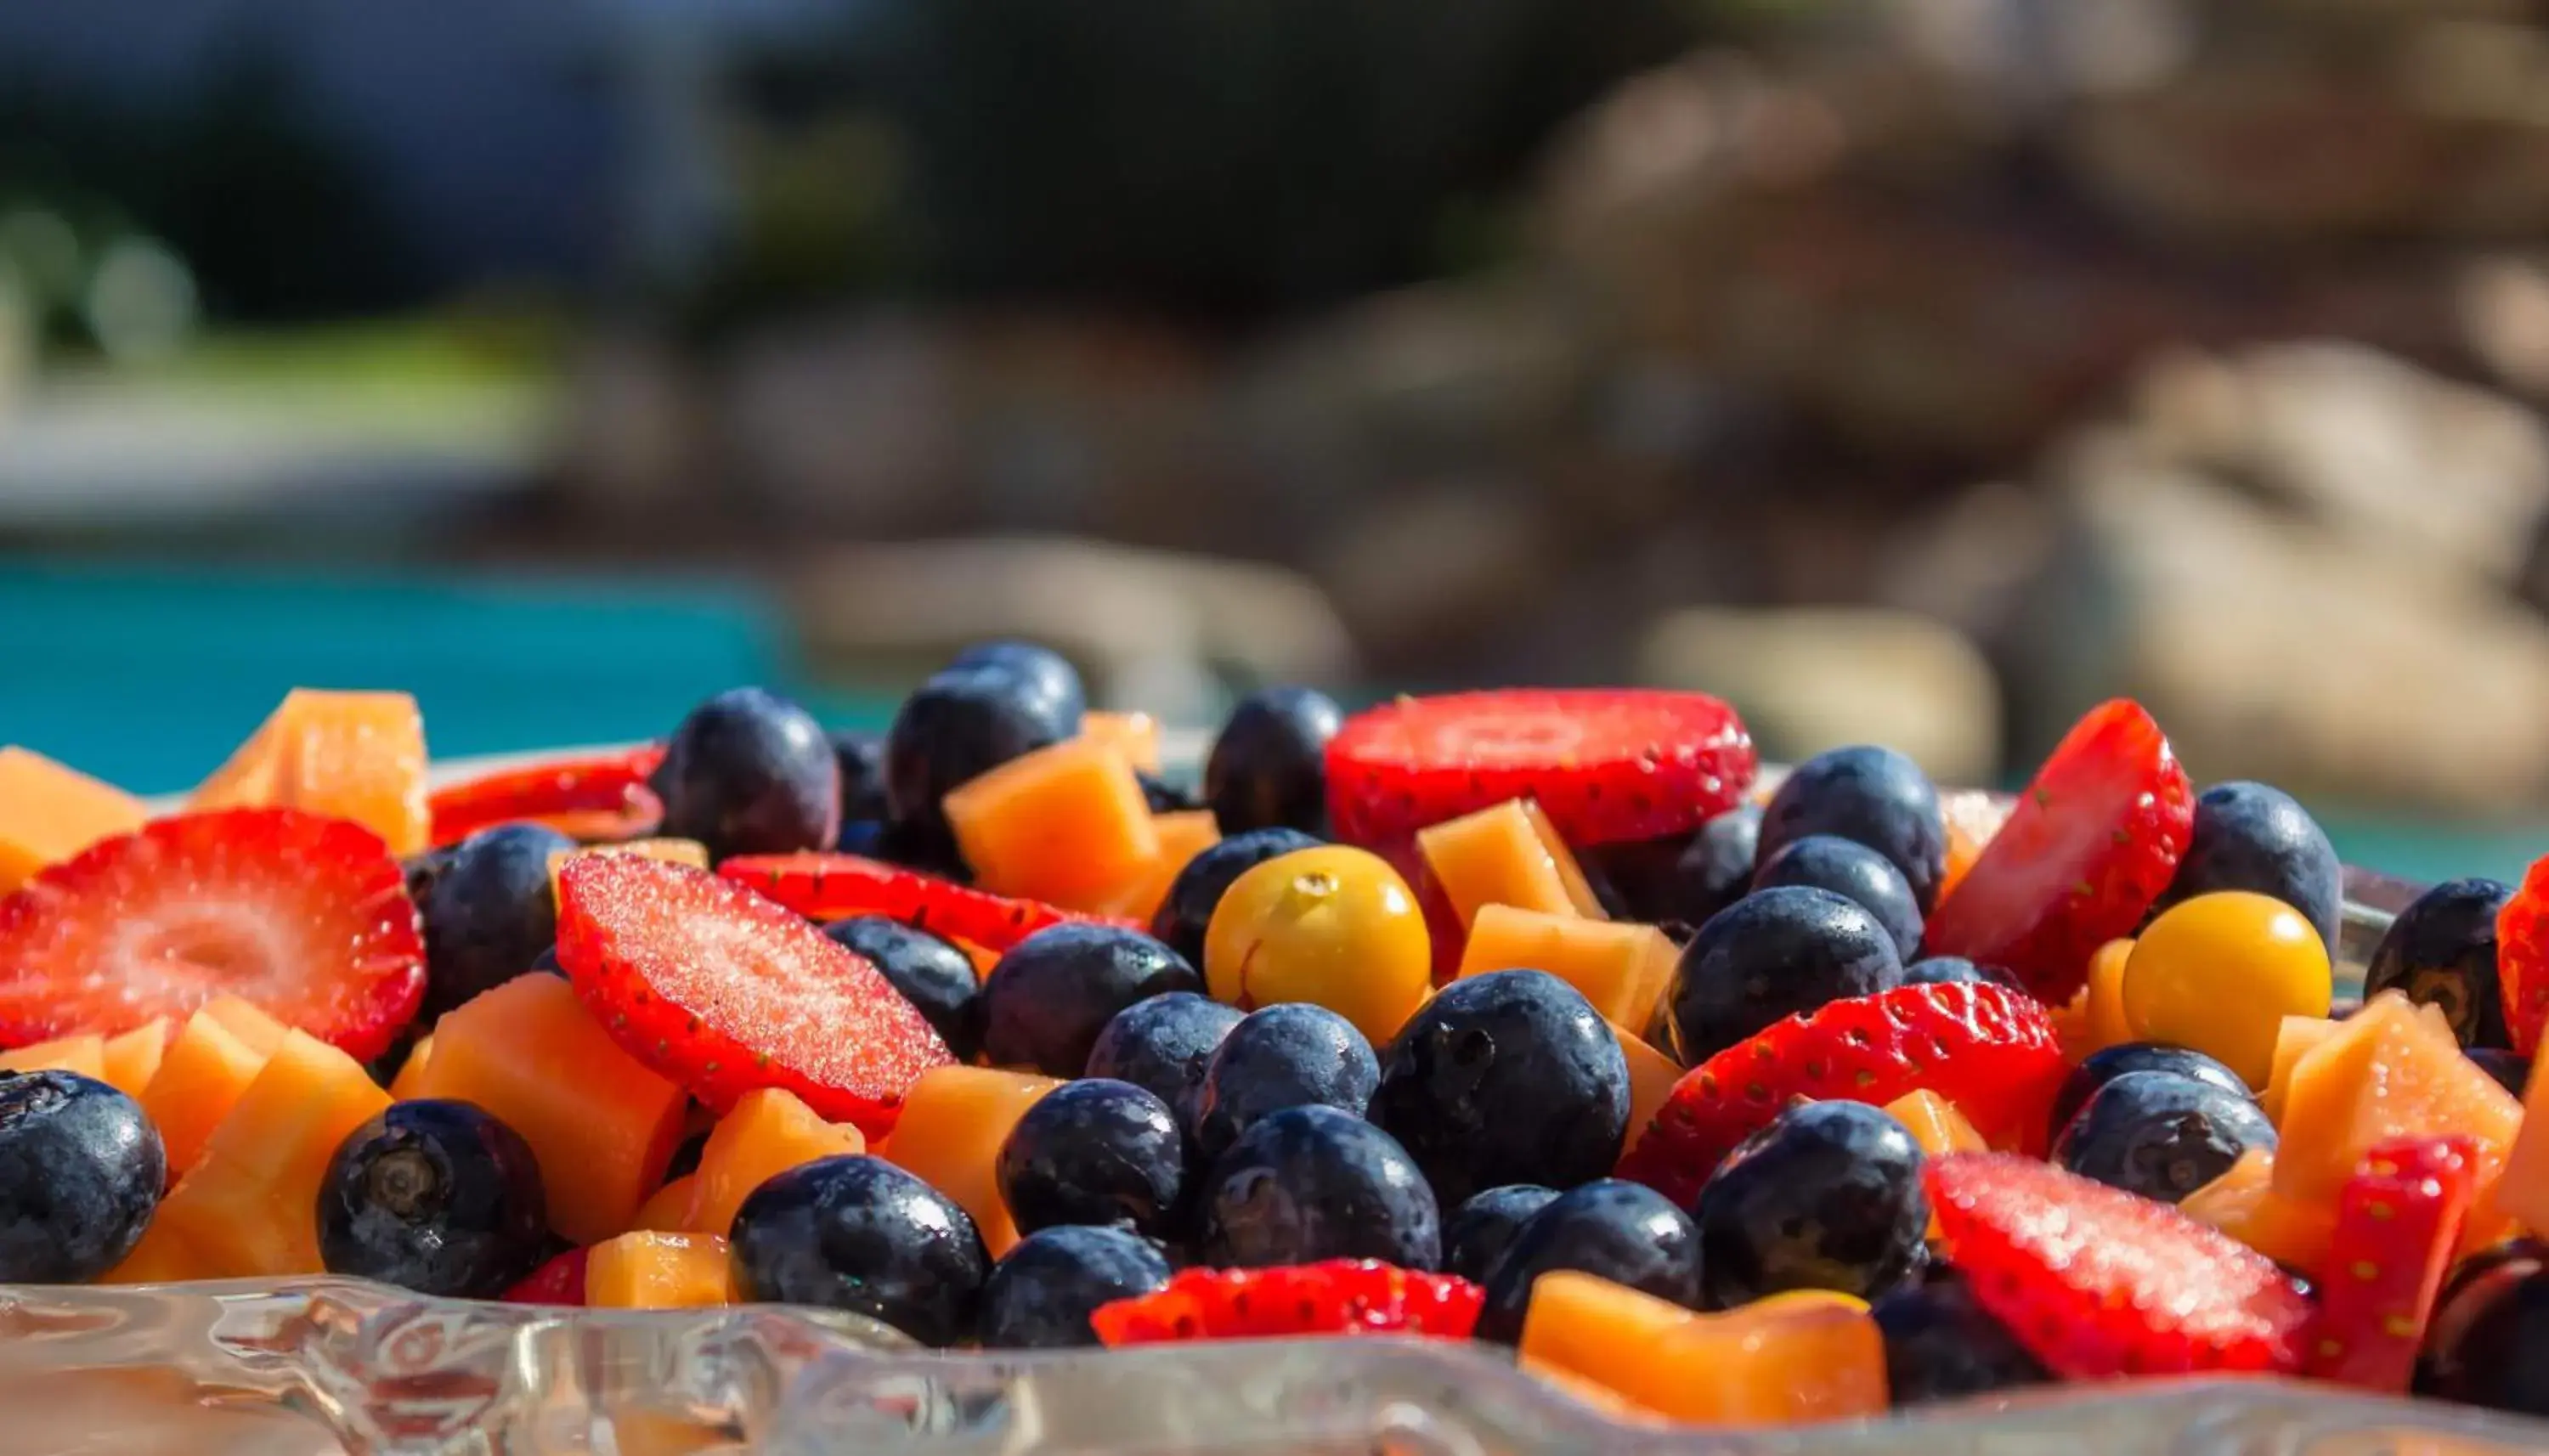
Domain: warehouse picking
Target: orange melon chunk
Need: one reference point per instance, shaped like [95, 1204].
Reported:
[1183, 836]
[659, 1271]
[2394, 1070]
[129, 1061]
[84, 1054]
[1936, 1123]
[954, 1121]
[671, 850]
[1507, 855]
[357, 756]
[2294, 1040]
[249, 1207]
[767, 1132]
[50, 812]
[410, 1072]
[601, 1123]
[668, 1211]
[2523, 1191]
[201, 1077]
[1651, 1076]
[1134, 734]
[161, 1257]
[2108, 1024]
[1066, 824]
[1619, 966]
[256, 1031]
[1790, 1359]
[2243, 1204]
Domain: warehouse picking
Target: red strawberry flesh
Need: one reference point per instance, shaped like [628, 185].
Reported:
[1989, 1049]
[2522, 959]
[2097, 1282]
[560, 1281]
[2397, 1223]
[603, 796]
[1605, 766]
[822, 886]
[724, 991]
[1338, 1297]
[305, 916]
[2088, 847]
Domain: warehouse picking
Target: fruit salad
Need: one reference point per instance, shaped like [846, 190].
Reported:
[1536, 1020]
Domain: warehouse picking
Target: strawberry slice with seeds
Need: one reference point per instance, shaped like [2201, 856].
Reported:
[725, 992]
[831, 886]
[2089, 846]
[2522, 959]
[2097, 1282]
[1605, 766]
[2397, 1223]
[597, 797]
[1987, 1048]
[560, 1281]
[302, 915]
[1338, 1297]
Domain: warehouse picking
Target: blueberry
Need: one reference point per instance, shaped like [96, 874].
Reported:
[1681, 878]
[80, 1173]
[749, 773]
[1314, 1183]
[421, 869]
[1039, 670]
[1163, 1045]
[1610, 1228]
[2474, 1286]
[1292, 1054]
[1269, 768]
[923, 848]
[1162, 797]
[2255, 837]
[955, 727]
[433, 1195]
[2441, 951]
[1196, 891]
[2161, 1134]
[1941, 1345]
[546, 962]
[1506, 1078]
[931, 974]
[2100, 1068]
[865, 838]
[859, 1234]
[1943, 970]
[488, 913]
[860, 757]
[1773, 954]
[1478, 1231]
[1041, 1292]
[2489, 1345]
[1094, 1151]
[2511, 1069]
[1048, 998]
[1844, 867]
[1828, 1196]
[1873, 796]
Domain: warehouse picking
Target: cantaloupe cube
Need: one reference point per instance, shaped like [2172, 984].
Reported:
[1134, 734]
[1621, 967]
[1066, 824]
[161, 1257]
[1786, 1361]
[659, 1271]
[767, 1132]
[1651, 1077]
[1506, 854]
[356, 756]
[250, 1206]
[201, 1077]
[1936, 1123]
[2293, 1039]
[50, 812]
[129, 1061]
[256, 1031]
[1183, 836]
[410, 1072]
[668, 1211]
[2392, 1071]
[2243, 1204]
[84, 1053]
[954, 1121]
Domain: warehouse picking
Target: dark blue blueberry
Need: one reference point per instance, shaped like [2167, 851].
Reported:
[2441, 951]
[859, 1234]
[1269, 768]
[1478, 1231]
[1683, 878]
[865, 838]
[2489, 1346]
[1038, 668]
[929, 850]
[1196, 891]
[860, 756]
[955, 727]
[1094, 1151]
[749, 773]
[931, 974]
[2511, 1069]
[1048, 998]
[1162, 797]
[2473, 1287]
[1041, 1292]
[1164, 1045]
[1292, 1054]
[2255, 837]
[1873, 796]
[2100, 1068]
[1612, 1229]
[2161, 1134]
[1506, 1078]
[488, 913]
[1828, 1196]
[1771, 955]
[421, 870]
[1945, 970]
[81, 1168]
[546, 962]
[1844, 867]
[437, 1197]
[1941, 1345]
[1312, 1183]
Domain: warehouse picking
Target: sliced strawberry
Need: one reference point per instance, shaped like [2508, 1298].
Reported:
[2088, 847]
[724, 992]
[605, 797]
[823, 886]
[2522, 959]
[1988, 1049]
[302, 916]
[560, 1281]
[2097, 1282]
[1605, 766]
[2397, 1223]
[1339, 1297]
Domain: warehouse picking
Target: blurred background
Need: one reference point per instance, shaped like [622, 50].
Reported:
[1911, 370]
